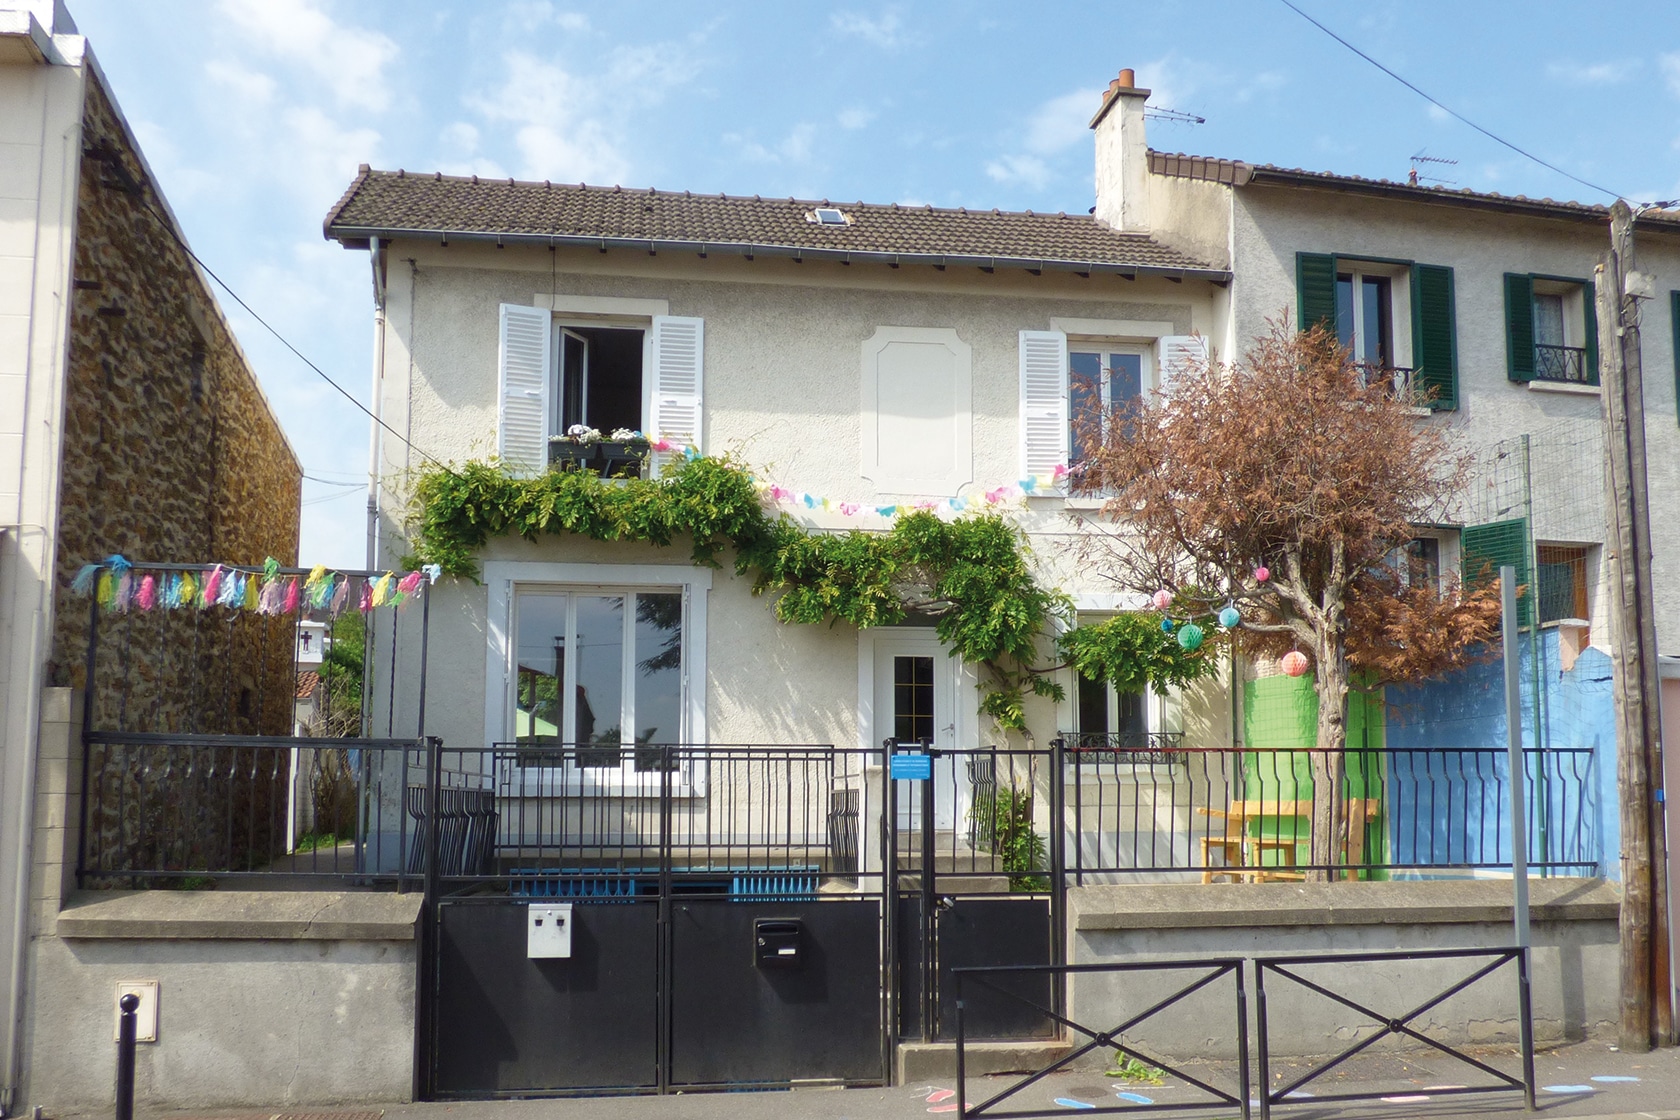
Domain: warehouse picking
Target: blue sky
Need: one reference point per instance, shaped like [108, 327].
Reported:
[255, 113]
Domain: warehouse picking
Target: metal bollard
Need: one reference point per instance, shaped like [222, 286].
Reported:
[126, 1027]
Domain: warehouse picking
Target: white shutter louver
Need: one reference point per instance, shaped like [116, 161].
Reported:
[524, 357]
[1178, 354]
[678, 376]
[1044, 402]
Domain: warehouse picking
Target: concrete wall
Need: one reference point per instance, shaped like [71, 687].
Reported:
[1574, 970]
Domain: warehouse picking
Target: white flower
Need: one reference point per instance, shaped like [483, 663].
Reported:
[625, 435]
[582, 433]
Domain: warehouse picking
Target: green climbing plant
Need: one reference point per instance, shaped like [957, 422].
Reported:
[971, 576]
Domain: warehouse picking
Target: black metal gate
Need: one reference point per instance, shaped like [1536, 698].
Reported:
[722, 930]
[978, 885]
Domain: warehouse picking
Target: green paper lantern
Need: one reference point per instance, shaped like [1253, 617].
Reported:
[1190, 636]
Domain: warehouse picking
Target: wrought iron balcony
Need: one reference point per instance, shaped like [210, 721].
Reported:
[607, 458]
[1139, 748]
[1398, 379]
[1563, 363]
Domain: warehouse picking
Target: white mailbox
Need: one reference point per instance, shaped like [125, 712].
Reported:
[548, 930]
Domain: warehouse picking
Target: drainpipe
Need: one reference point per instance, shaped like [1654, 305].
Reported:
[376, 253]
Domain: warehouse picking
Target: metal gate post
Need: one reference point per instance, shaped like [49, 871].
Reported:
[930, 916]
[1058, 874]
[888, 840]
[1265, 1070]
[1242, 1045]
[666, 957]
[1525, 1025]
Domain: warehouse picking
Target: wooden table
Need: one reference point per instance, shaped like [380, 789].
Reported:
[1243, 854]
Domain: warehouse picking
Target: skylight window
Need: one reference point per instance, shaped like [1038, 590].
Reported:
[829, 216]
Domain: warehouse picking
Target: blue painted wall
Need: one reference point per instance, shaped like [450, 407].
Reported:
[1452, 806]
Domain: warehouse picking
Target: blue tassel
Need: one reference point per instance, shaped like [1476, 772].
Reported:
[83, 583]
[117, 564]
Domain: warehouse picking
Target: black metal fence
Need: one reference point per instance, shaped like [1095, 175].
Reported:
[1173, 813]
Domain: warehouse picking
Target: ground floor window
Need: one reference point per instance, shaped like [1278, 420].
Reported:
[599, 677]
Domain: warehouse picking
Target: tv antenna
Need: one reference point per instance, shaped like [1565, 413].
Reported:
[1172, 116]
[1413, 177]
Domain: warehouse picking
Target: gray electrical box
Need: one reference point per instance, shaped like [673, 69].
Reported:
[548, 930]
[777, 943]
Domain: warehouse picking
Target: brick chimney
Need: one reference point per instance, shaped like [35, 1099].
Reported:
[1122, 155]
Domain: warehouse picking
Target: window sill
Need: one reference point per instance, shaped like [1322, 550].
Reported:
[1566, 388]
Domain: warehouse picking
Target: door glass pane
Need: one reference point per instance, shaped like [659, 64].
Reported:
[1548, 320]
[541, 626]
[658, 687]
[1344, 311]
[1133, 719]
[1093, 707]
[1084, 402]
[1125, 379]
[1373, 296]
[913, 699]
[599, 698]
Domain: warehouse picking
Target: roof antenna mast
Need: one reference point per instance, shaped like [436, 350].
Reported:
[1423, 156]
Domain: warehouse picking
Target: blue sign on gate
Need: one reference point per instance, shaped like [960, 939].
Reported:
[911, 767]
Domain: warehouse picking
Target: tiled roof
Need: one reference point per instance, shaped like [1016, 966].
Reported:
[1237, 173]
[396, 203]
[307, 679]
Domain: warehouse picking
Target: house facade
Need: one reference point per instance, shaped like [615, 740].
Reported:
[130, 423]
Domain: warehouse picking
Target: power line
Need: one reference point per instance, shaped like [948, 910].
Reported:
[1445, 109]
[169, 228]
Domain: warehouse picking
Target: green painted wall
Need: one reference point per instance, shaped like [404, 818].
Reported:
[1280, 723]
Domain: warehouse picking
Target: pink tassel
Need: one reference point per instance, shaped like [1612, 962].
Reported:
[212, 585]
[410, 583]
[367, 596]
[341, 596]
[292, 595]
[148, 594]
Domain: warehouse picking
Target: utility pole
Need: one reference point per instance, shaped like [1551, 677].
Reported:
[1646, 995]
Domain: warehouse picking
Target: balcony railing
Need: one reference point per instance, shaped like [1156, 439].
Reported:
[607, 458]
[1398, 379]
[1563, 363]
[1148, 748]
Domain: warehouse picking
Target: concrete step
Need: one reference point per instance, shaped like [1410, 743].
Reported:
[928, 1061]
[958, 884]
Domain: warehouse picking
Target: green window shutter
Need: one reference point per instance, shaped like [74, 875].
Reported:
[1589, 313]
[1519, 326]
[1434, 334]
[1315, 289]
[1487, 548]
[1674, 325]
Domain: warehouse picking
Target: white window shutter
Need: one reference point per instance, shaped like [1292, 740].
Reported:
[1178, 354]
[1044, 402]
[679, 347]
[524, 358]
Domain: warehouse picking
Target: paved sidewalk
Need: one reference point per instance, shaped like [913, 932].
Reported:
[1588, 1081]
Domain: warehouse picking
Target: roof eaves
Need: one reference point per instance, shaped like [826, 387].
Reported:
[356, 236]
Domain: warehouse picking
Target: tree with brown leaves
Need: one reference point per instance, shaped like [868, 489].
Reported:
[1300, 462]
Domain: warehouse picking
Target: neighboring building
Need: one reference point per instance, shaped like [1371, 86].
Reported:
[130, 423]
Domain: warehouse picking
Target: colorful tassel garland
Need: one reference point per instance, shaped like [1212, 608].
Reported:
[232, 591]
[433, 571]
[212, 586]
[147, 595]
[125, 592]
[272, 597]
[250, 598]
[189, 589]
[382, 589]
[410, 583]
[367, 595]
[106, 593]
[271, 570]
[85, 579]
[341, 596]
[292, 595]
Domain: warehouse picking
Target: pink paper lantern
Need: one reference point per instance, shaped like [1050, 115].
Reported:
[1262, 573]
[1295, 663]
[1162, 599]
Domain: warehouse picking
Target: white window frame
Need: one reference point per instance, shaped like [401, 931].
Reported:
[1149, 379]
[504, 581]
[1154, 704]
[557, 364]
[1399, 279]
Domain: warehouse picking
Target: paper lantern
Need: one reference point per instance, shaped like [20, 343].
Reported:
[1230, 617]
[1262, 573]
[1166, 625]
[1162, 599]
[1190, 636]
[1295, 663]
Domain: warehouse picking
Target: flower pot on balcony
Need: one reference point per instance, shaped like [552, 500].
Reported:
[623, 458]
[569, 455]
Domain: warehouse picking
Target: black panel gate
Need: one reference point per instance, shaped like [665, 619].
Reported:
[723, 931]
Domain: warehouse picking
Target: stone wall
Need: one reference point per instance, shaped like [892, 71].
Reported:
[171, 452]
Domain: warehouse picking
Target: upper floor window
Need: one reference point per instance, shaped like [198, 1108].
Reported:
[1103, 381]
[598, 379]
[1396, 318]
[1551, 329]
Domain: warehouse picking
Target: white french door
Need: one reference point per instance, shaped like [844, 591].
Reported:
[915, 702]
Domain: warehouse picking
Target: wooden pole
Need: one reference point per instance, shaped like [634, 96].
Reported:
[1646, 997]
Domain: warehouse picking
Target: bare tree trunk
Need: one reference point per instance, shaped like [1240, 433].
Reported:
[1329, 759]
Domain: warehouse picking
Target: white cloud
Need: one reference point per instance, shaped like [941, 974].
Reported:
[885, 30]
[321, 157]
[1436, 113]
[1062, 121]
[793, 150]
[251, 86]
[531, 14]
[1027, 170]
[1670, 64]
[350, 61]
[556, 138]
[1591, 74]
[853, 119]
[459, 143]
